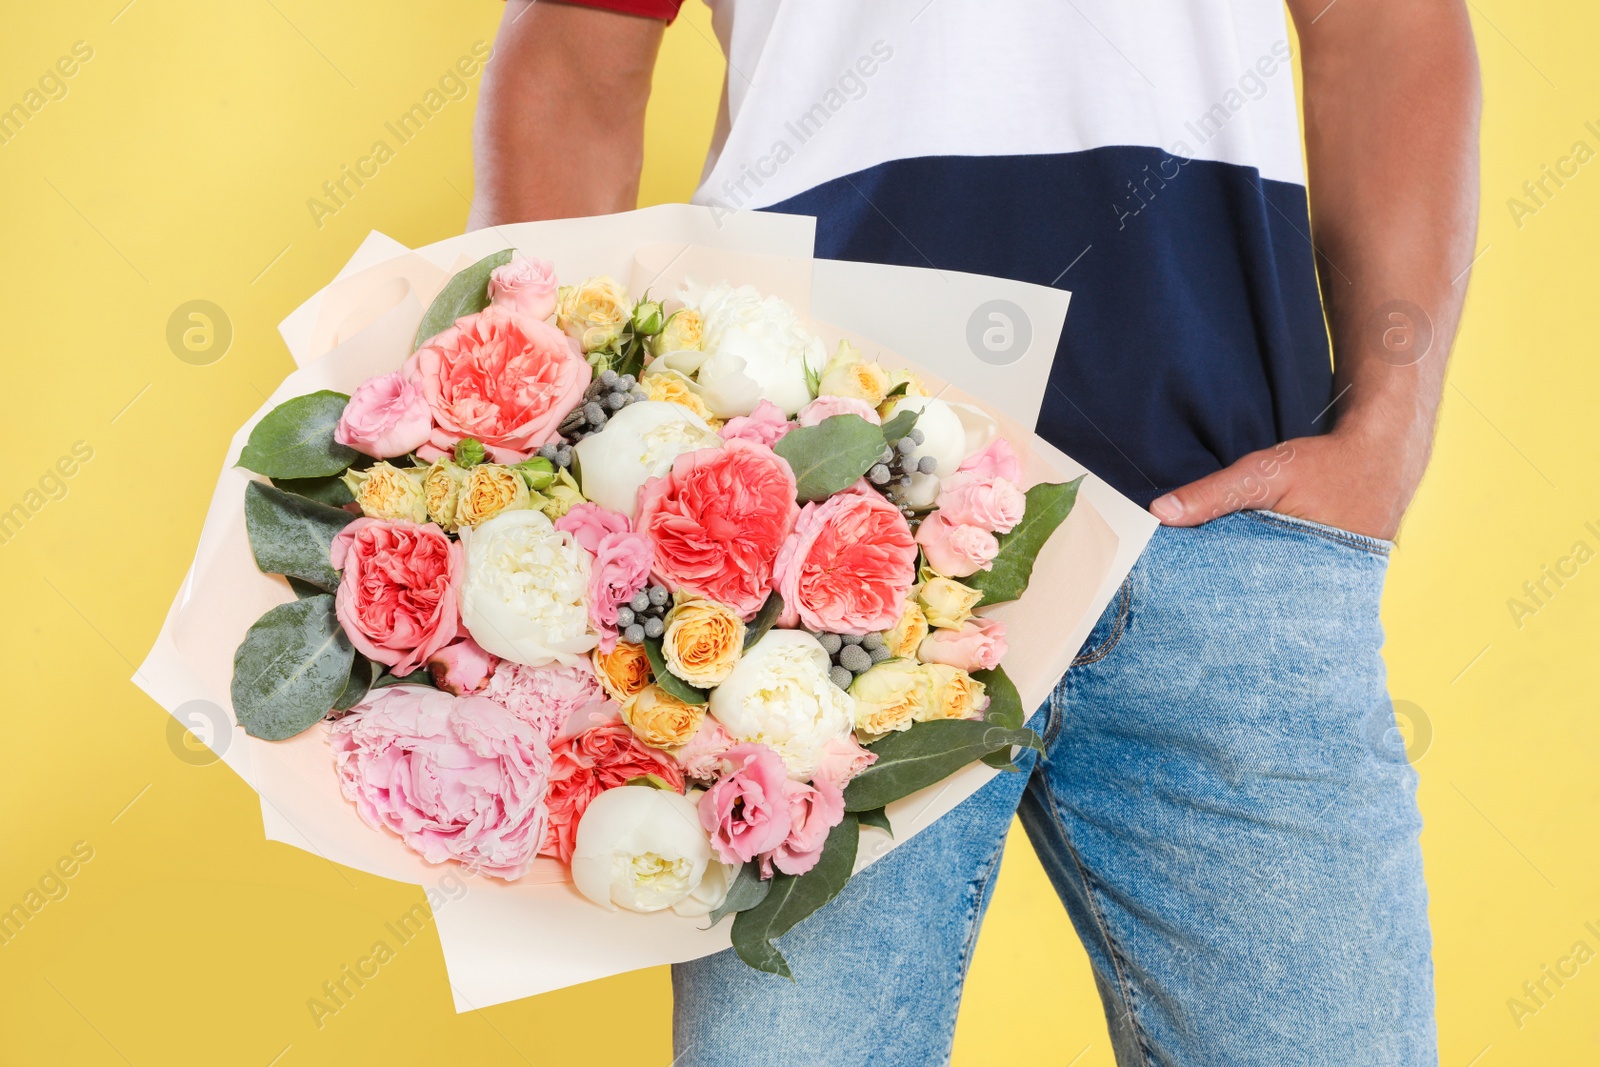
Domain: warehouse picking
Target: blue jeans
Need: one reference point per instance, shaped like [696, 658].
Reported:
[1224, 806]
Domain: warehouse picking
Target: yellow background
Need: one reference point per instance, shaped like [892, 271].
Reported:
[178, 167]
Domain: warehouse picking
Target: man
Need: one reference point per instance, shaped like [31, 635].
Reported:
[1222, 806]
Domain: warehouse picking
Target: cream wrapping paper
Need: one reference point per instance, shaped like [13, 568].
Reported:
[505, 941]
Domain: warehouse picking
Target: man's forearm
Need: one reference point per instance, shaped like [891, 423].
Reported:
[560, 126]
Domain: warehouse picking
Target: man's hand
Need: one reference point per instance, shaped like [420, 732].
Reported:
[1391, 112]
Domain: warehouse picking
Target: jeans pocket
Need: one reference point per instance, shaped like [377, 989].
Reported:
[1376, 546]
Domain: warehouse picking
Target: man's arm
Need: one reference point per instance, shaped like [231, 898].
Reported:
[1391, 104]
[560, 124]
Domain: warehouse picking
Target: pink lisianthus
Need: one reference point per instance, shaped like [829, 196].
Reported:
[621, 568]
[717, 521]
[397, 596]
[848, 565]
[763, 426]
[813, 811]
[747, 811]
[506, 379]
[701, 756]
[457, 778]
[586, 765]
[824, 407]
[996, 460]
[462, 666]
[526, 286]
[386, 417]
[547, 697]
[977, 645]
[588, 523]
[956, 551]
[994, 504]
[841, 760]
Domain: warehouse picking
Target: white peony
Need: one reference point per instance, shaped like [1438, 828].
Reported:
[638, 443]
[753, 348]
[950, 433]
[522, 597]
[642, 849]
[779, 695]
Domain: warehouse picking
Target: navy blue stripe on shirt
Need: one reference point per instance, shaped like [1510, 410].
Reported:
[1195, 333]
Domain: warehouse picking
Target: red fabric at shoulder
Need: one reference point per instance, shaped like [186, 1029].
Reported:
[650, 9]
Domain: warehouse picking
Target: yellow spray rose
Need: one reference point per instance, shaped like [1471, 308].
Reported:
[945, 602]
[907, 634]
[847, 374]
[490, 489]
[660, 719]
[559, 497]
[684, 331]
[385, 491]
[702, 642]
[593, 313]
[913, 387]
[956, 694]
[623, 672]
[441, 490]
[673, 388]
[891, 696]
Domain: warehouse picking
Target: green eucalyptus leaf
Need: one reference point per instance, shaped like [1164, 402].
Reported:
[766, 618]
[793, 897]
[290, 534]
[746, 892]
[1005, 709]
[669, 682]
[1049, 504]
[900, 425]
[303, 589]
[330, 490]
[929, 752]
[465, 294]
[831, 455]
[360, 682]
[295, 439]
[420, 676]
[290, 669]
[878, 817]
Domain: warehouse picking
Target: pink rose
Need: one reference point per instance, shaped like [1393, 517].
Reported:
[461, 667]
[824, 407]
[397, 597]
[977, 645]
[841, 760]
[547, 697]
[621, 568]
[526, 286]
[956, 551]
[813, 811]
[701, 756]
[588, 523]
[500, 377]
[584, 766]
[995, 504]
[717, 521]
[763, 426]
[387, 417]
[848, 565]
[995, 461]
[747, 811]
[458, 778]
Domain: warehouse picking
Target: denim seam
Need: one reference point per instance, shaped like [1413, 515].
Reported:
[981, 884]
[1355, 541]
[1124, 602]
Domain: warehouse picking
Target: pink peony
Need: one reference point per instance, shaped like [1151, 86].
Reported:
[526, 286]
[397, 596]
[841, 760]
[747, 811]
[588, 523]
[956, 551]
[813, 811]
[717, 521]
[500, 377]
[763, 426]
[386, 417]
[547, 697]
[458, 778]
[848, 565]
[995, 461]
[977, 645]
[994, 504]
[462, 666]
[701, 756]
[584, 766]
[824, 407]
[621, 568]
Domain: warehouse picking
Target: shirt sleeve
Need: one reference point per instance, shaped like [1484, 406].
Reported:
[651, 9]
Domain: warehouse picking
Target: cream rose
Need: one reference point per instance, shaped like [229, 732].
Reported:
[594, 312]
[489, 490]
[905, 637]
[684, 332]
[441, 489]
[623, 671]
[946, 602]
[891, 696]
[388, 492]
[702, 642]
[670, 387]
[660, 719]
[956, 694]
[523, 594]
[847, 374]
[753, 348]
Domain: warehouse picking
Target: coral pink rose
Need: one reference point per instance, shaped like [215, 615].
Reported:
[588, 523]
[717, 521]
[997, 460]
[824, 407]
[526, 286]
[747, 811]
[977, 645]
[462, 666]
[813, 811]
[995, 504]
[386, 417]
[848, 565]
[547, 697]
[621, 568]
[841, 760]
[503, 378]
[584, 766]
[764, 425]
[956, 551]
[458, 778]
[397, 597]
[701, 756]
